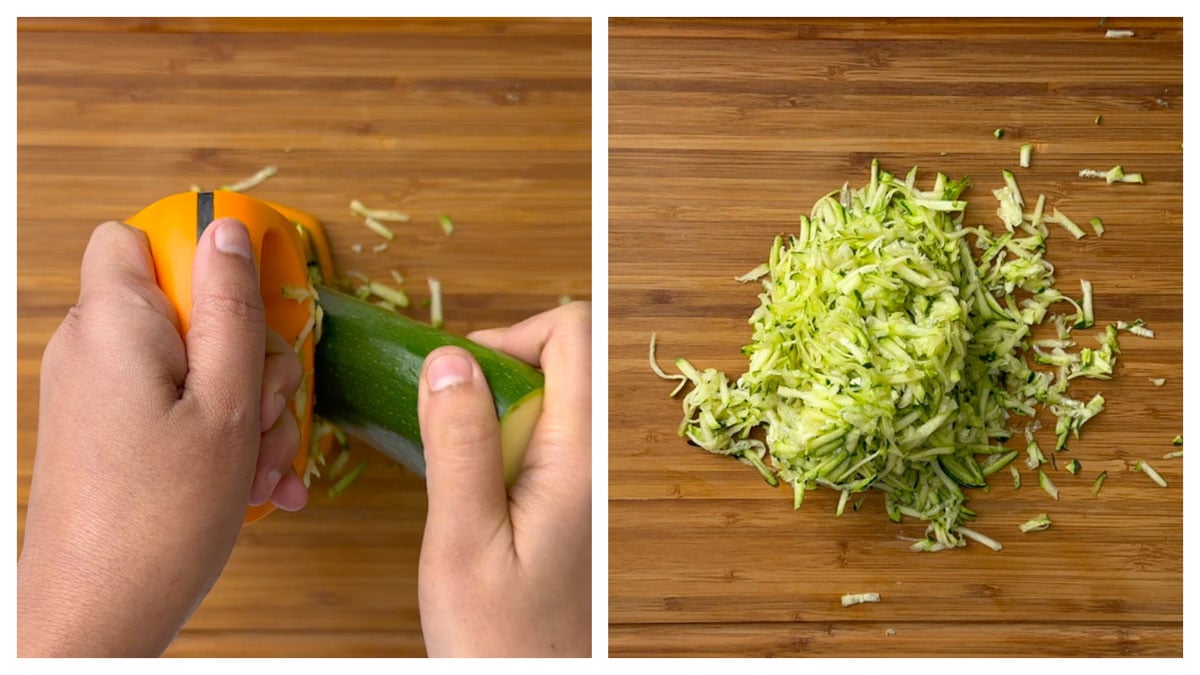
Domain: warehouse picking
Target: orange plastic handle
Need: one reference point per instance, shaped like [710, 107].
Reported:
[174, 224]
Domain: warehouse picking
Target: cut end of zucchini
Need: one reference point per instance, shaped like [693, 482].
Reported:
[516, 428]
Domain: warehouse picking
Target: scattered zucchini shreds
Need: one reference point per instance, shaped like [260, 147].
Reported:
[683, 380]
[755, 273]
[1073, 467]
[1026, 154]
[1158, 381]
[1138, 328]
[1041, 522]
[347, 480]
[1113, 33]
[321, 429]
[996, 462]
[380, 248]
[886, 354]
[446, 224]
[392, 295]
[380, 229]
[195, 188]
[1099, 482]
[1047, 484]
[1098, 118]
[841, 505]
[1114, 175]
[751, 457]
[308, 328]
[1087, 316]
[981, 538]
[1016, 477]
[435, 303]
[1173, 455]
[357, 248]
[1178, 440]
[397, 276]
[389, 306]
[338, 464]
[998, 133]
[1097, 226]
[1149, 471]
[859, 598]
[296, 292]
[1035, 456]
[1010, 181]
[564, 299]
[1067, 224]
[253, 181]
[360, 209]
[310, 471]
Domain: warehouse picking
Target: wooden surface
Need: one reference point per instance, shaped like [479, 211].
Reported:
[486, 121]
[721, 133]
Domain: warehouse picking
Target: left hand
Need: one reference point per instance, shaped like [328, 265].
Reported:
[150, 447]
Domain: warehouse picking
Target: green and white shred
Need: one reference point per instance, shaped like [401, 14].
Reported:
[889, 354]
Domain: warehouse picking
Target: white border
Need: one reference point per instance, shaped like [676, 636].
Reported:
[601, 12]
[599, 337]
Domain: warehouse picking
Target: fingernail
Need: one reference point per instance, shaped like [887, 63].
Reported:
[232, 238]
[447, 370]
[258, 497]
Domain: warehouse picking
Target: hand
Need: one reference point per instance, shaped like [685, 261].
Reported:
[150, 447]
[509, 575]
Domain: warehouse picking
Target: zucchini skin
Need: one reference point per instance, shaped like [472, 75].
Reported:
[367, 366]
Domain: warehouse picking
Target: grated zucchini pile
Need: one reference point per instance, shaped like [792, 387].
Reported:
[888, 354]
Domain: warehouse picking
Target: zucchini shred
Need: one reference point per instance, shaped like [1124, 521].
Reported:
[886, 354]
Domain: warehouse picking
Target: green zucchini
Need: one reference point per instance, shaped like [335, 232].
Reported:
[964, 470]
[367, 366]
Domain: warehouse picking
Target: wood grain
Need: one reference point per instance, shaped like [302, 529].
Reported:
[721, 133]
[488, 121]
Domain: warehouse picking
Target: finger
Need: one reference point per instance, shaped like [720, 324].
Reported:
[121, 307]
[559, 341]
[281, 379]
[489, 337]
[277, 449]
[118, 268]
[290, 494]
[227, 334]
[464, 466]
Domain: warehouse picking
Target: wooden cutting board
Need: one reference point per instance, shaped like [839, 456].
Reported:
[487, 121]
[721, 133]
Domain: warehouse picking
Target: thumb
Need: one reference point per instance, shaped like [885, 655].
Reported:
[464, 465]
[226, 343]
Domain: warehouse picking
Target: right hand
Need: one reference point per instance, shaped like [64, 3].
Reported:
[509, 574]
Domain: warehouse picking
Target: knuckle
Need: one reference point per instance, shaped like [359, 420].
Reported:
[236, 303]
[121, 234]
[578, 311]
[229, 418]
[469, 431]
[69, 331]
[577, 318]
[65, 340]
